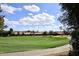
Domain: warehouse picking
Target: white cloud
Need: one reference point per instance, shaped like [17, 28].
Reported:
[43, 21]
[43, 18]
[31, 14]
[10, 24]
[9, 9]
[32, 8]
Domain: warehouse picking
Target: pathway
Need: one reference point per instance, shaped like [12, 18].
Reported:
[58, 51]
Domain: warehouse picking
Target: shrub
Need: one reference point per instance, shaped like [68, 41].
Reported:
[50, 32]
[4, 33]
[44, 33]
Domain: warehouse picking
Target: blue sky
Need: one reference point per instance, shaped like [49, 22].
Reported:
[32, 16]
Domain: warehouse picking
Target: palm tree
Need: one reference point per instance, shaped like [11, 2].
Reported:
[70, 17]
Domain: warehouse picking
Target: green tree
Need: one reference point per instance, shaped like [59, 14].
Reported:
[45, 33]
[1, 20]
[10, 31]
[23, 33]
[50, 32]
[2, 26]
[32, 32]
[70, 17]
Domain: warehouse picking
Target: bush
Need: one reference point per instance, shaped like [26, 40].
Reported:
[4, 33]
[50, 32]
[55, 33]
[23, 34]
[44, 33]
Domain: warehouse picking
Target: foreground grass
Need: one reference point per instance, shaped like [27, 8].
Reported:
[25, 43]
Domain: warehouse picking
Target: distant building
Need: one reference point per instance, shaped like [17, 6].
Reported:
[26, 32]
[60, 32]
[35, 33]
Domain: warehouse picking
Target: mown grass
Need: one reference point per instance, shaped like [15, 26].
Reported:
[25, 43]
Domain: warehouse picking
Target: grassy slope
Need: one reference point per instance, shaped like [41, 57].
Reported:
[24, 43]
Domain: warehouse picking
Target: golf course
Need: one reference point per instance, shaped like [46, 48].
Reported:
[27, 43]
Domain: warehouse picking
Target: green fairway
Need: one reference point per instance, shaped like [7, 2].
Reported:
[25, 43]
